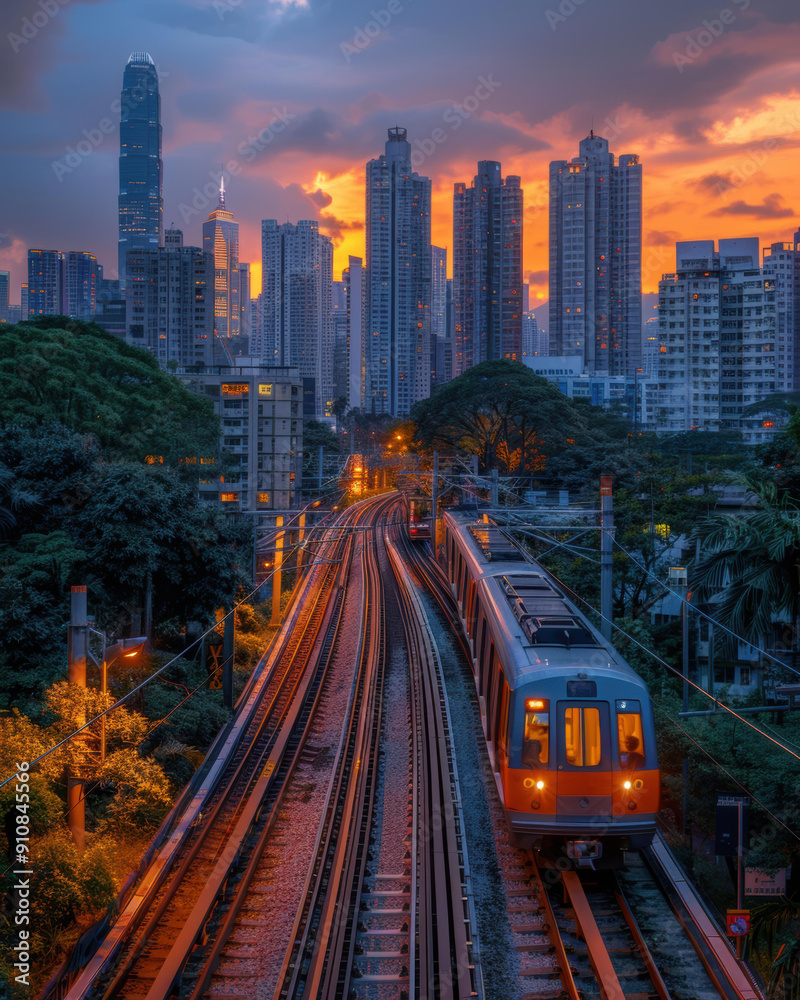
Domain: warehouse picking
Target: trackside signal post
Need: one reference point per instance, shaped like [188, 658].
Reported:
[76, 674]
[732, 834]
[606, 555]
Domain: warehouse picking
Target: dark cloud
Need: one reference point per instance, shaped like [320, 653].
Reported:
[536, 277]
[714, 183]
[336, 228]
[320, 198]
[661, 238]
[5, 241]
[772, 207]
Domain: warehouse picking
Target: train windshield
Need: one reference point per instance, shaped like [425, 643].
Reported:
[631, 743]
[583, 736]
[536, 739]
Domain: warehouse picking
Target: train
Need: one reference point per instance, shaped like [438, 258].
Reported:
[568, 723]
[419, 519]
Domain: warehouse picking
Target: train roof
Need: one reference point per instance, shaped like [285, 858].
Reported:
[533, 623]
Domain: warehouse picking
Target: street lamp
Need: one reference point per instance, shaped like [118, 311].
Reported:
[128, 648]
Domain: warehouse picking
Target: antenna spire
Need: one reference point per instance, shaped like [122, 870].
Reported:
[222, 188]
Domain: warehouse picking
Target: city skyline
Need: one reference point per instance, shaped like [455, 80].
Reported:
[713, 169]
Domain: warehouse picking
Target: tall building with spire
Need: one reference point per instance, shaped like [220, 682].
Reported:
[596, 259]
[221, 240]
[140, 167]
[398, 238]
[487, 268]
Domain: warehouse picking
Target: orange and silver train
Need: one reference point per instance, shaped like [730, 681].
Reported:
[568, 724]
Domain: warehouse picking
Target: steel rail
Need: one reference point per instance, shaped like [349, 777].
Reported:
[191, 837]
[446, 960]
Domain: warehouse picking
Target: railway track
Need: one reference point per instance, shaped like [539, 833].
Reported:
[583, 934]
[186, 899]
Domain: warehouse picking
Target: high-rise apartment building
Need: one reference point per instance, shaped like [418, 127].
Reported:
[221, 240]
[24, 299]
[245, 312]
[5, 284]
[438, 291]
[45, 283]
[487, 268]
[721, 348]
[535, 342]
[354, 281]
[173, 237]
[80, 285]
[297, 275]
[170, 304]
[398, 242]
[596, 258]
[781, 263]
[140, 166]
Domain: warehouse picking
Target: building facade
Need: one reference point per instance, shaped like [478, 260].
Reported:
[5, 286]
[80, 285]
[353, 279]
[719, 342]
[535, 342]
[261, 416]
[487, 268]
[596, 258]
[221, 240]
[140, 167]
[170, 304]
[398, 265]
[297, 278]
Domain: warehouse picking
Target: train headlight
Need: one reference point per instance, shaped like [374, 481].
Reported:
[626, 785]
[540, 785]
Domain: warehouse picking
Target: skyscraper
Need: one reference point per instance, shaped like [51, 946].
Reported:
[596, 258]
[487, 268]
[245, 324]
[45, 283]
[438, 291]
[170, 304]
[140, 167]
[80, 285]
[5, 281]
[353, 281]
[398, 238]
[297, 275]
[221, 240]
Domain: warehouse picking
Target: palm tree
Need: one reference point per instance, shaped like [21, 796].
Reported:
[750, 565]
[775, 919]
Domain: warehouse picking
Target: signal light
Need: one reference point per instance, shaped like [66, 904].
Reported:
[626, 785]
[531, 704]
[540, 785]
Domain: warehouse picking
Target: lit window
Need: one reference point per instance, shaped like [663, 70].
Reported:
[265, 389]
[154, 459]
[263, 497]
[536, 737]
[629, 730]
[582, 736]
[769, 423]
[228, 497]
[235, 388]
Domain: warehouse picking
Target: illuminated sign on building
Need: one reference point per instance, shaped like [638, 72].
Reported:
[235, 388]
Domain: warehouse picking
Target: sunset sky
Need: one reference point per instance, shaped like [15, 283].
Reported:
[713, 110]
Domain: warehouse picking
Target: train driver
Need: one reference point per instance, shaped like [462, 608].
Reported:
[631, 760]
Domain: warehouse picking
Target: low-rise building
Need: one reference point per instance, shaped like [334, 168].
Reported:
[261, 416]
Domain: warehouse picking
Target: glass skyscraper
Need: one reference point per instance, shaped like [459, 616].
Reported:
[221, 240]
[140, 167]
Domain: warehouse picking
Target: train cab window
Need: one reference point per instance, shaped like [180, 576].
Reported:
[583, 736]
[629, 730]
[536, 736]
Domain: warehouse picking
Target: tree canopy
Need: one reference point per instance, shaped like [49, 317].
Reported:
[501, 412]
[54, 368]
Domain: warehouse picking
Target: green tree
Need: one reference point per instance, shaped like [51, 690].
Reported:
[750, 565]
[501, 412]
[52, 368]
[316, 434]
[775, 929]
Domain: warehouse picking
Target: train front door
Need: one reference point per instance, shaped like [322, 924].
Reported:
[585, 778]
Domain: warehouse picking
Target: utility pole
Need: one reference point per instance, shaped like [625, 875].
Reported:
[76, 674]
[227, 657]
[276, 576]
[321, 456]
[678, 581]
[495, 490]
[606, 555]
[434, 500]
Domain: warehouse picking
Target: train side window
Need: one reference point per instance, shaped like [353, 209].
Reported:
[502, 732]
[631, 743]
[583, 736]
[536, 739]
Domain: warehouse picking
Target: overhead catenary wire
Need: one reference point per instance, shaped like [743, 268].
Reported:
[157, 673]
[736, 781]
[675, 671]
[703, 614]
